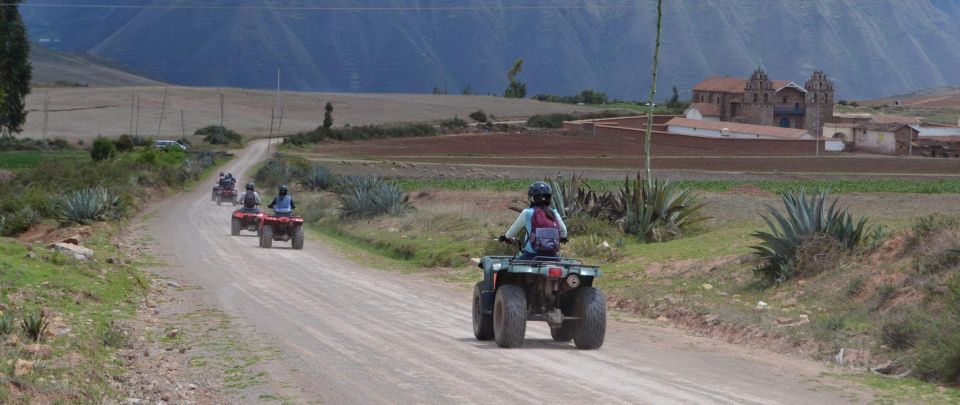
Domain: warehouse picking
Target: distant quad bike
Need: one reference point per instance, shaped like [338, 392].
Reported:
[556, 290]
[245, 221]
[226, 194]
[280, 228]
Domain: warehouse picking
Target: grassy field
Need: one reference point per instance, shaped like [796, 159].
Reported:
[834, 186]
[24, 159]
[86, 302]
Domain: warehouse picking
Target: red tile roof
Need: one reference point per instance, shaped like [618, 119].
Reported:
[895, 119]
[724, 84]
[707, 109]
[776, 132]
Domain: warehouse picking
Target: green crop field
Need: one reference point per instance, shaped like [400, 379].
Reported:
[24, 159]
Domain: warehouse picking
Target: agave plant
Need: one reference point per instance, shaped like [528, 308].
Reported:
[367, 197]
[6, 324]
[659, 211]
[277, 171]
[34, 325]
[318, 178]
[88, 205]
[575, 197]
[804, 219]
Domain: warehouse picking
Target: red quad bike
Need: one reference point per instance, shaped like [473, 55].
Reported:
[245, 221]
[281, 229]
[227, 194]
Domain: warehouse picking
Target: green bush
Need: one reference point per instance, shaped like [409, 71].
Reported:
[479, 116]
[902, 329]
[660, 211]
[6, 324]
[938, 348]
[124, 143]
[803, 220]
[372, 197]
[592, 246]
[453, 124]
[34, 325]
[19, 221]
[318, 178]
[928, 225]
[278, 171]
[217, 135]
[549, 120]
[88, 205]
[587, 226]
[102, 149]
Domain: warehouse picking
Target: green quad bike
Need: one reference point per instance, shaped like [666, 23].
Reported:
[556, 290]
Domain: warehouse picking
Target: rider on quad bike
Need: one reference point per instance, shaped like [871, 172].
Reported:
[544, 226]
[250, 200]
[282, 205]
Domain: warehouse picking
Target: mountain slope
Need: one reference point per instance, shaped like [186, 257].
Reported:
[870, 47]
[50, 67]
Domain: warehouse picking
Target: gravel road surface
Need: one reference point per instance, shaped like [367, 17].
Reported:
[352, 334]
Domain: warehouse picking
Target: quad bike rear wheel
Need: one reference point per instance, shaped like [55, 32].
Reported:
[298, 238]
[266, 237]
[510, 316]
[591, 307]
[235, 226]
[482, 323]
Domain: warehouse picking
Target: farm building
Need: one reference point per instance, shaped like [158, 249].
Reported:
[762, 101]
[884, 138]
[733, 130]
[703, 111]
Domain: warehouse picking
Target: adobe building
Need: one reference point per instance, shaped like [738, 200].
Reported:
[762, 101]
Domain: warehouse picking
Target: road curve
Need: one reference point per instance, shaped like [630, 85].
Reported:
[360, 335]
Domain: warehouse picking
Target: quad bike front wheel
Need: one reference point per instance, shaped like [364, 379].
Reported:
[235, 226]
[266, 237]
[298, 238]
[482, 323]
[591, 307]
[510, 316]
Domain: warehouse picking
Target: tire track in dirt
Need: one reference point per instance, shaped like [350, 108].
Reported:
[352, 334]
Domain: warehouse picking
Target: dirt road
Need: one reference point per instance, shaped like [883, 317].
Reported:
[352, 334]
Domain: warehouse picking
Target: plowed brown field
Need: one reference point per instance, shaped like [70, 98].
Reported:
[572, 151]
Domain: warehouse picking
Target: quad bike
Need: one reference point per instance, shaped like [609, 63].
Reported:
[281, 228]
[553, 289]
[245, 221]
[227, 194]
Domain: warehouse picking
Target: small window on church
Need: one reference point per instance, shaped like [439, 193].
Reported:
[814, 97]
[701, 98]
[765, 98]
[754, 97]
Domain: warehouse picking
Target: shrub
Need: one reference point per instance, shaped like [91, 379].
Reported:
[6, 324]
[19, 222]
[89, 205]
[102, 149]
[804, 219]
[592, 246]
[587, 226]
[453, 124]
[124, 143]
[114, 336]
[885, 293]
[549, 120]
[660, 211]
[928, 225]
[479, 116]
[348, 133]
[902, 329]
[855, 287]
[34, 325]
[373, 197]
[318, 178]
[278, 171]
[938, 348]
[315, 207]
[575, 198]
[218, 135]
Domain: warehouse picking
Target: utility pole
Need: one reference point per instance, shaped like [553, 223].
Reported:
[163, 108]
[137, 134]
[183, 132]
[130, 130]
[653, 93]
[220, 128]
[46, 110]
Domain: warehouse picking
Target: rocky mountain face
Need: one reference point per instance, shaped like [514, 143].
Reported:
[869, 47]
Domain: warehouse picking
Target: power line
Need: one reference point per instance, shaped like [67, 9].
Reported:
[324, 8]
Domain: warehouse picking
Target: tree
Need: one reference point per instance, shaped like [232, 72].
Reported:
[467, 90]
[124, 143]
[102, 149]
[328, 116]
[515, 89]
[15, 69]
[675, 99]
[653, 93]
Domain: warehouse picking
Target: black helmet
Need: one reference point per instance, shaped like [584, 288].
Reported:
[221, 174]
[283, 190]
[540, 192]
[250, 186]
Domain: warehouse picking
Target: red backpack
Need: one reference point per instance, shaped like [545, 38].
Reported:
[544, 232]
